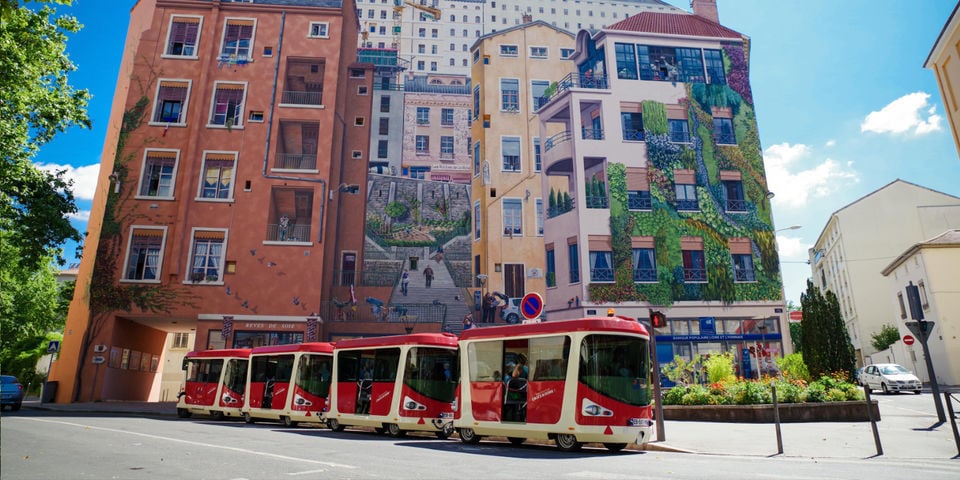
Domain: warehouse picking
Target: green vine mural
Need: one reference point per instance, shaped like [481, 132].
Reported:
[712, 223]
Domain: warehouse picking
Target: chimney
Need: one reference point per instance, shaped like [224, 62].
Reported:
[706, 9]
[527, 18]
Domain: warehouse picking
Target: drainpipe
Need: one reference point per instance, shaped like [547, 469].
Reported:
[266, 149]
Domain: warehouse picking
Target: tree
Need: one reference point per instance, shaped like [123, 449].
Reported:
[37, 103]
[825, 341]
[888, 335]
[796, 336]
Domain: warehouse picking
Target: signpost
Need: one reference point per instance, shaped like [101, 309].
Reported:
[52, 348]
[531, 305]
[922, 330]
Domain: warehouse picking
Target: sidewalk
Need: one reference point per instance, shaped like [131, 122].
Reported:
[904, 433]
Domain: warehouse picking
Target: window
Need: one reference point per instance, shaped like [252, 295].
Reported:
[419, 172]
[551, 267]
[538, 52]
[159, 172]
[694, 270]
[206, 256]
[632, 123]
[690, 64]
[255, 116]
[385, 104]
[714, 64]
[539, 214]
[423, 115]
[144, 256]
[743, 268]
[359, 121]
[476, 159]
[510, 149]
[433, 49]
[626, 56]
[384, 128]
[601, 265]
[354, 72]
[446, 117]
[318, 30]
[290, 215]
[512, 216]
[183, 36]
[476, 220]
[573, 253]
[217, 181]
[382, 148]
[687, 197]
[644, 265]
[508, 50]
[181, 340]
[679, 131]
[421, 48]
[423, 144]
[422, 32]
[227, 104]
[537, 89]
[433, 66]
[476, 101]
[237, 38]
[383, 14]
[639, 200]
[446, 147]
[723, 131]
[537, 161]
[171, 104]
[733, 191]
[510, 94]
[566, 53]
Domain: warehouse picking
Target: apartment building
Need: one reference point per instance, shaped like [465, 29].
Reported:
[664, 203]
[238, 138]
[436, 128]
[944, 60]
[512, 69]
[861, 239]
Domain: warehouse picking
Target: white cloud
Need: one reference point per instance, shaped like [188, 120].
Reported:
[830, 143]
[84, 178]
[794, 177]
[81, 216]
[791, 247]
[904, 115]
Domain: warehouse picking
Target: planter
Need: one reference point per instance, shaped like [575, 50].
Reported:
[789, 412]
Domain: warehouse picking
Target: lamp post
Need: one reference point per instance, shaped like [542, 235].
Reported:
[482, 278]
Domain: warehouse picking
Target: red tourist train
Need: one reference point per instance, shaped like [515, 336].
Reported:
[215, 383]
[571, 381]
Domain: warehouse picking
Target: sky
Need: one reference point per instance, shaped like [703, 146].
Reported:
[843, 104]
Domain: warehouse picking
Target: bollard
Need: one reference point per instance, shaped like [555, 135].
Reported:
[776, 419]
[873, 421]
[953, 421]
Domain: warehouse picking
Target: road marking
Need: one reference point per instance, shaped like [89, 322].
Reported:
[201, 444]
[308, 472]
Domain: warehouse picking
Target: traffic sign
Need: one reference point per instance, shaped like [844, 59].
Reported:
[796, 316]
[53, 346]
[908, 339]
[920, 329]
[531, 305]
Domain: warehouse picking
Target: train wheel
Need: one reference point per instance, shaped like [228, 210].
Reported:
[447, 430]
[615, 447]
[568, 443]
[380, 430]
[287, 422]
[247, 418]
[335, 425]
[183, 413]
[467, 435]
[517, 440]
[394, 430]
[218, 415]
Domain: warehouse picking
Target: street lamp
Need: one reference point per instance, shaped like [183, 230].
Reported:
[791, 227]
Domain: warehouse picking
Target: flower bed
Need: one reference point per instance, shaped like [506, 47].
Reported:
[789, 412]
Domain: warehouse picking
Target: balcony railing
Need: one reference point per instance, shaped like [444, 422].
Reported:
[601, 274]
[744, 275]
[290, 97]
[296, 161]
[680, 137]
[592, 133]
[698, 274]
[736, 205]
[575, 80]
[639, 200]
[645, 275]
[630, 134]
[725, 138]
[688, 205]
[597, 201]
[292, 233]
[557, 210]
[556, 140]
[366, 278]
[409, 314]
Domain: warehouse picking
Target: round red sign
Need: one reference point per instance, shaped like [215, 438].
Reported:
[908, 339]
[796, 315]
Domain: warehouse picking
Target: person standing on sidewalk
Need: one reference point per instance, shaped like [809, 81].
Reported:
[428, 274]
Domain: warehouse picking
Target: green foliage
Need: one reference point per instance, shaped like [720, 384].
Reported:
[395, 210]
[750, 392]
[793, 368]
[789, 392]
[22, 357]
[826, 343]
[720, 368]
[757, 392]
[654, 117]
[888, 335]
[796, 336]
[683, 371]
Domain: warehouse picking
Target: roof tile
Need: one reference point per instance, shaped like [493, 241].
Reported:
[674, 24]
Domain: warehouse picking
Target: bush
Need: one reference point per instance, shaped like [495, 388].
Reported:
[789, 392]
[720, 368]
[674, 395]
[793, 368]
[814, 393]
[750, 393]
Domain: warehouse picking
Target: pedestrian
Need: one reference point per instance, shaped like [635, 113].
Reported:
[488, 308]
[404, 281]
[428, 274]
[440, 254]
[468, 321]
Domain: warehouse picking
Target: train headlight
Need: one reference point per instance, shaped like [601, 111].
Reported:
[590, 409]
[411, 404]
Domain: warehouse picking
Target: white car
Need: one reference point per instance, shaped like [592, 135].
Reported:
[890, 378]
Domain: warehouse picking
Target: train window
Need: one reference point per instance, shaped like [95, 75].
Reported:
[548, 358]
[236, 377]
[284, 368]
[314, 374]
[348, 366]
[385, 364]
[483, 361]
[432, 372]
[616, 366]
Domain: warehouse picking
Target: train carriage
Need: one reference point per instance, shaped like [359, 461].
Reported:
[289, 383]
[395, 384]
[571, 381]
[214, 383]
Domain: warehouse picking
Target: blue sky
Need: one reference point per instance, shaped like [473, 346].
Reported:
[843, 103]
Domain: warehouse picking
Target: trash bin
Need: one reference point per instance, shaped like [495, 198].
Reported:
[413, 262]
[49, 392]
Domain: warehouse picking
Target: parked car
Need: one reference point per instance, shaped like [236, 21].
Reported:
[509, 307]
[890, 378]
[12, 392]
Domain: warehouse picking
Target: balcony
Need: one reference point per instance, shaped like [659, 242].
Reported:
[591, 133]
[680, 137]
[632, 135]
[292, 233]
[725, 138]
[639, 200]
[296, 161]
[694, 275]
[574, 80]
[597, 201]
[291, 97]
[744, 275]
[645, 275]
[688, 205]
[736, 205]
[601, 274]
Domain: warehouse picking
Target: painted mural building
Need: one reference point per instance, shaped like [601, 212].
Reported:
[664, 204]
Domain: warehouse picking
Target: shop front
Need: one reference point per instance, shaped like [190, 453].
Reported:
[249, 331]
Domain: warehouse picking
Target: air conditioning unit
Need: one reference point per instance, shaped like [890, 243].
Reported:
[99, 348]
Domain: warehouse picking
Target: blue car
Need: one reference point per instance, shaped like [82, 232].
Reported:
[12, 392]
